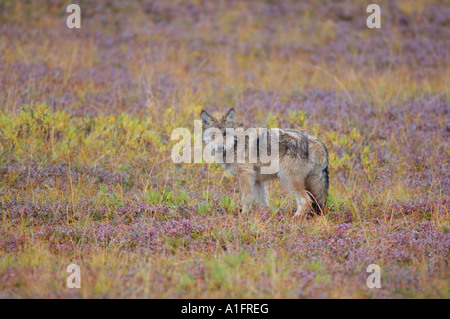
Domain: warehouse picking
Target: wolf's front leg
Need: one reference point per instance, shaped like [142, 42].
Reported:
[260, 194]
[246, 182]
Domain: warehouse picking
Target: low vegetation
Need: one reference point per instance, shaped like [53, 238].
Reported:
[86, 175]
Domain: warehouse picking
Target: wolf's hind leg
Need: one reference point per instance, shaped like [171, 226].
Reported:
[297, 188]
[303, 202]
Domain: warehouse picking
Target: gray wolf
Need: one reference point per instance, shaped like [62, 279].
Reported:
[302, 163]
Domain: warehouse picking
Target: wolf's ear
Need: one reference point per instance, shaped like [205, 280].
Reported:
[230, 115]
[206, 118]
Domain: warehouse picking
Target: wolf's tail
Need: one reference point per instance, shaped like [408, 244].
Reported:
[317, 184]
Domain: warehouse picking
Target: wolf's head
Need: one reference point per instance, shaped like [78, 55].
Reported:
[216, 129]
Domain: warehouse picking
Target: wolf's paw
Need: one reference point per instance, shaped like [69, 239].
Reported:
[245, 209]
[299, 214]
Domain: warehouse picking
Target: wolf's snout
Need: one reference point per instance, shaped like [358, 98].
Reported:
[220, 148]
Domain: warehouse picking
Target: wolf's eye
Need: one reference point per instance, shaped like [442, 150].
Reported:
[213, 136]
